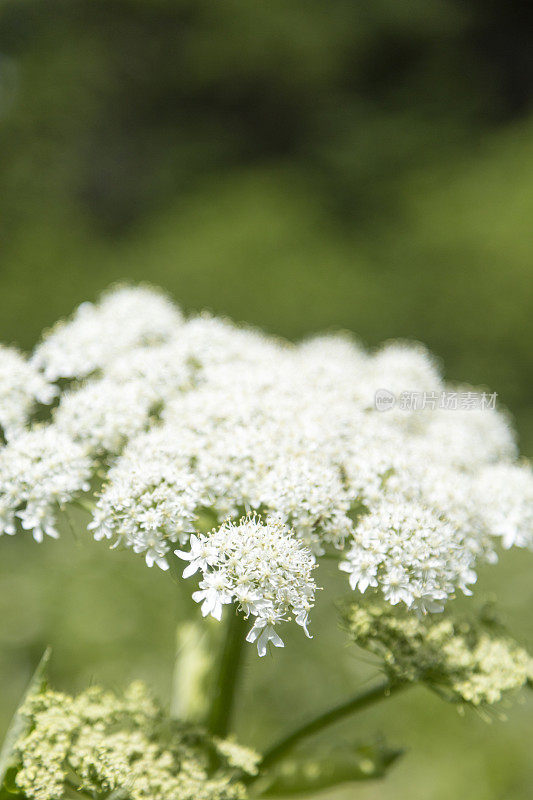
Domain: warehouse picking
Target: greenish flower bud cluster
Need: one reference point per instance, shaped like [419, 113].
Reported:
[100, 743]
[466, 662]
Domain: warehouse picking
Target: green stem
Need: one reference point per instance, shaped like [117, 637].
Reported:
[227, 675]
[361, 700]
[85, 505]
[192, 667]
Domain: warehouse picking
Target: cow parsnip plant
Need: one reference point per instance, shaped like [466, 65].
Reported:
[237, 462]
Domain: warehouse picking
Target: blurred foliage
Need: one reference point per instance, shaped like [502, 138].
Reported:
[308, 774]
[299, 165]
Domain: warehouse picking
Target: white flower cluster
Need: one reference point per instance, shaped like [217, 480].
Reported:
[104, 414]
[124, 318]
[21, 387]
[256, 446]
[407, 550]
[505, 493]
[258, 565]
[150, 500]
[40, 470]
[198, 419]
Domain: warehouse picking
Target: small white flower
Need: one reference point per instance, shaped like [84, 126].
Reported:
[302, 618]
[363, 570]
[431, 603]
[154, 550]
[263, 633]
[203, 554]
[396, 587]
[213, 594]
[39, 520]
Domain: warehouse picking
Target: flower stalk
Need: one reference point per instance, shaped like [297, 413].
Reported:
[226, 675]
[381, 691]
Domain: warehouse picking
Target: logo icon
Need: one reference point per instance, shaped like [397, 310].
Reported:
[384, 400]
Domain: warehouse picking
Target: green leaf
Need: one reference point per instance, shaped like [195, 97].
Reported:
[305, 774]
[17, 729]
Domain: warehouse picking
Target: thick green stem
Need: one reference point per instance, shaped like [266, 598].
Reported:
[227, 675]
[361, 700]
[192, 667]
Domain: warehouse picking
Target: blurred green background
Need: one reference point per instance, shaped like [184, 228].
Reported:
[302, 166]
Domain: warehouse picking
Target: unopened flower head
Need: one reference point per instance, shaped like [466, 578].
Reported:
[100, 742]
[466, 661]
[259, 566]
